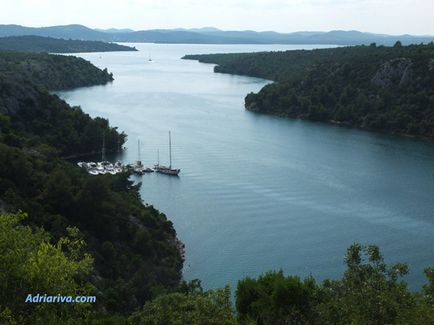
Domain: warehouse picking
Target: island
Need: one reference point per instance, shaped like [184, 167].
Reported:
[32, 43]
[387, 89]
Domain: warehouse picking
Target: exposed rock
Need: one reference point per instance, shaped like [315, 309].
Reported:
[396, 72]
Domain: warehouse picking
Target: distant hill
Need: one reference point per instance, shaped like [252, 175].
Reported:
[55, 45]
[210, 35]
[115, 30]
[77, 32]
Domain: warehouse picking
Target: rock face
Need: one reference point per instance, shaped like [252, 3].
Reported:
[396, 72]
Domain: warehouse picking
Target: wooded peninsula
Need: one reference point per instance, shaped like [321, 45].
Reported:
[32, 43]
[387, 89]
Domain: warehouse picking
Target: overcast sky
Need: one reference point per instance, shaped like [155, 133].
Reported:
[379, 16]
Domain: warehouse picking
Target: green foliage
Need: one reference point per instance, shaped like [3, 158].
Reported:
[54, 72]
[276, 299]
[31, 264]
[38, 118]
[374, 87]
[54, 45]
[210, 308]
[370, 292]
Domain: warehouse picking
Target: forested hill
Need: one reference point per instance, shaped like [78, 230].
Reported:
[388, 89]
[128, 251]
[25, 80]
[54, 72]
[32, 43]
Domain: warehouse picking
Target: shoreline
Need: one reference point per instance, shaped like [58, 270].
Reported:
[347, 125]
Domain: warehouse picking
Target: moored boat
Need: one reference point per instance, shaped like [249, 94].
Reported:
[168, 170]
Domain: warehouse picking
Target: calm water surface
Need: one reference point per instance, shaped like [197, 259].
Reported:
[258, 192]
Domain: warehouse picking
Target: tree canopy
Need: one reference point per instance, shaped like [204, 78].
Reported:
[30, 263]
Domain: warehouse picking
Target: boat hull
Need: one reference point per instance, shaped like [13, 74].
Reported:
[168, 171]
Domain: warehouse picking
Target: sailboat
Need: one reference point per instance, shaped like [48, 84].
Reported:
[164, 169]
[138, 167]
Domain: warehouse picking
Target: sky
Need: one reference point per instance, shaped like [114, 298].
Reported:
[377, 16]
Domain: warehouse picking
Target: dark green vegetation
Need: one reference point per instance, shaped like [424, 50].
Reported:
[54, 45]
[370, 292]
[53, 72]
[134, 247]
[387, 89]
[29, 262]
[37, 118]
[188, 305]
[210, 36]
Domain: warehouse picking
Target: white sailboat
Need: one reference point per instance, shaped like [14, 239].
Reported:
[138, 167]
[164, 169]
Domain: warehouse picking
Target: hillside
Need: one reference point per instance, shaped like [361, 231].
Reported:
[134, 248]
[54, 72]
[77, 32]
[55, 45]
[211, 35]
[387, 89]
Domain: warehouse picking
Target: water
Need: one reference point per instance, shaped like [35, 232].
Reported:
[258, 192]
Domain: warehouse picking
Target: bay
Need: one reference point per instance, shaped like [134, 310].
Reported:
[258, 192]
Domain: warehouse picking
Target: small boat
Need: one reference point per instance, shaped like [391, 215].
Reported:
[104, 166]
[164, 169]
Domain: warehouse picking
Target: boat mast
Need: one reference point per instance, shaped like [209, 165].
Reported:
[103, 148]
[170, 151]
[158, 157]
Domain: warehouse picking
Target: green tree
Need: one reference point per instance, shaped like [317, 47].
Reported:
[276, 299]
[210, 308]
[370, 292]
[30, 264]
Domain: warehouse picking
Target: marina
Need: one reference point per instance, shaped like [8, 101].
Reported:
[106, 167]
